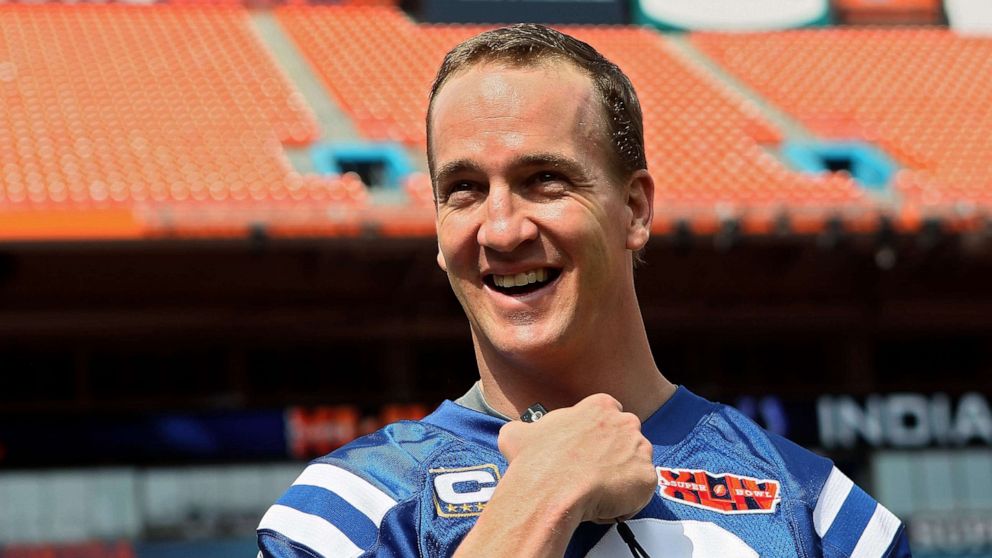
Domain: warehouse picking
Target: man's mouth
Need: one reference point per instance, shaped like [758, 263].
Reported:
[522, 283]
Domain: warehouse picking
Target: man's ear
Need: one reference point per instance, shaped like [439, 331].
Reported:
[640, 206]
[440, 259]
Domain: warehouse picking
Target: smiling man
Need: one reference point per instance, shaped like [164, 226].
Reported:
[535, 146]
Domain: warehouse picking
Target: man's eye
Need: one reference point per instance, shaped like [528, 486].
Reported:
[458, 191]
[549, 179]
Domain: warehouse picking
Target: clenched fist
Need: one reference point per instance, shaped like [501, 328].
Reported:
[591, 457]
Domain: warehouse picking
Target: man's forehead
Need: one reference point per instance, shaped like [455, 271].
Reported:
[519, 97]
[507, 86]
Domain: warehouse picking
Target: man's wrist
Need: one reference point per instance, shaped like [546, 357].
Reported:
[530, 518]
[559, 506]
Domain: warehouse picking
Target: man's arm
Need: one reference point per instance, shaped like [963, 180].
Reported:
[851, 523]
[328, 511]
[588, 462]
[360, 500]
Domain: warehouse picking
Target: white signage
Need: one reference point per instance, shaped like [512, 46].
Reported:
[904, 420]
[734, 15]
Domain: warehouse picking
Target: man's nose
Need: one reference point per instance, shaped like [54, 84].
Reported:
[506, 223]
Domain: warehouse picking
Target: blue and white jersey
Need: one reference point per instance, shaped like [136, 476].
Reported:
[726, 488]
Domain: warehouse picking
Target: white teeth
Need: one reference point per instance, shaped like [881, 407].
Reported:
[521, 279]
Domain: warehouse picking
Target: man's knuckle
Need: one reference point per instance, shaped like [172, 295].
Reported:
[630, 420]
[603, 400]
[599, 399]
[649, 476]
[508, 435]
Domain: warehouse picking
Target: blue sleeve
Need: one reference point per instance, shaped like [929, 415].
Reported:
[274, 545]
[395, 538]
[900, 548]
[328, 512]
[851, 523]
[846, 520]
[359, 501]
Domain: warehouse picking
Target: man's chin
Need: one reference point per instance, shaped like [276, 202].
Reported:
[525, 343]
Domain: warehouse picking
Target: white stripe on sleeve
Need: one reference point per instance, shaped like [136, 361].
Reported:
[310, 530]
[355, 490]
[878, 534]
[832, 497]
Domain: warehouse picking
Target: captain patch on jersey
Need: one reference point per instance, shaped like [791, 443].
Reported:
[463, 492]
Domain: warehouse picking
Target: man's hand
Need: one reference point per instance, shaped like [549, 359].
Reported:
[592, 452]
[588, 462]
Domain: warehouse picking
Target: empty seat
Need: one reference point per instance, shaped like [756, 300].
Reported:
[921, 94]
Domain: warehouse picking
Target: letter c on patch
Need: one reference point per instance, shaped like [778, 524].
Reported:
[485, 486]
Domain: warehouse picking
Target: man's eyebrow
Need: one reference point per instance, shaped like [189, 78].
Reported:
[455, 167]
[555, 161]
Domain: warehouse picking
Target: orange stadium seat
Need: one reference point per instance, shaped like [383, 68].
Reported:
[921, 94]
[157, 109]
[178, 117]
[704, 142]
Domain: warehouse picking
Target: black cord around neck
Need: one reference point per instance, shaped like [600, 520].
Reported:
[628, 537]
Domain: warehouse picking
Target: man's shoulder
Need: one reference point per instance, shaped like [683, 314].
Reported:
[392, 460]
[729, 428]
[406, 443]
[399, 449]
[341, 501]
[810, 486]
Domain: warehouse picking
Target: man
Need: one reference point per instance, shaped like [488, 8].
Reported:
[535, 147]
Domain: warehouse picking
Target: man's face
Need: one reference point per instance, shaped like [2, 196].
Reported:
[534, 230]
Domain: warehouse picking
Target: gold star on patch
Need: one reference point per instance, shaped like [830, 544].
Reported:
[466, 507]
[480, 506]
[452, 508]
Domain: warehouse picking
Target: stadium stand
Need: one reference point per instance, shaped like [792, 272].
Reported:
[149, 384]
[705, 142]
[173, 120]
[921, 94]
[175, 113]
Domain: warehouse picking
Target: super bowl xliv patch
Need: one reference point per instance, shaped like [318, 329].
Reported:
[463, 492]
[723, 493]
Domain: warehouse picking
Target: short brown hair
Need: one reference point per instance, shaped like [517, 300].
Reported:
[529, 44]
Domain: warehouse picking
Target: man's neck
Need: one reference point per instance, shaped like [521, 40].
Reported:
[627, 372]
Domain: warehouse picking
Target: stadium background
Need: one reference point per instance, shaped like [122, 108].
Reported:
[217, 252]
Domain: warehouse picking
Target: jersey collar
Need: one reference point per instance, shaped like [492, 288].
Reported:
[466, 423]
[674, 420]
[668, 426]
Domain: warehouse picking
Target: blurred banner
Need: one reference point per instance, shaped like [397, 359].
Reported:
[833, 422]
[296, 432]
[521, 11]
[904, 420]
[234, 548]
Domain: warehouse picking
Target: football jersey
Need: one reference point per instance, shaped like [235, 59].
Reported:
[726, 487]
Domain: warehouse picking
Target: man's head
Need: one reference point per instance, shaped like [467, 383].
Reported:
[539, 209]
[527, 45]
